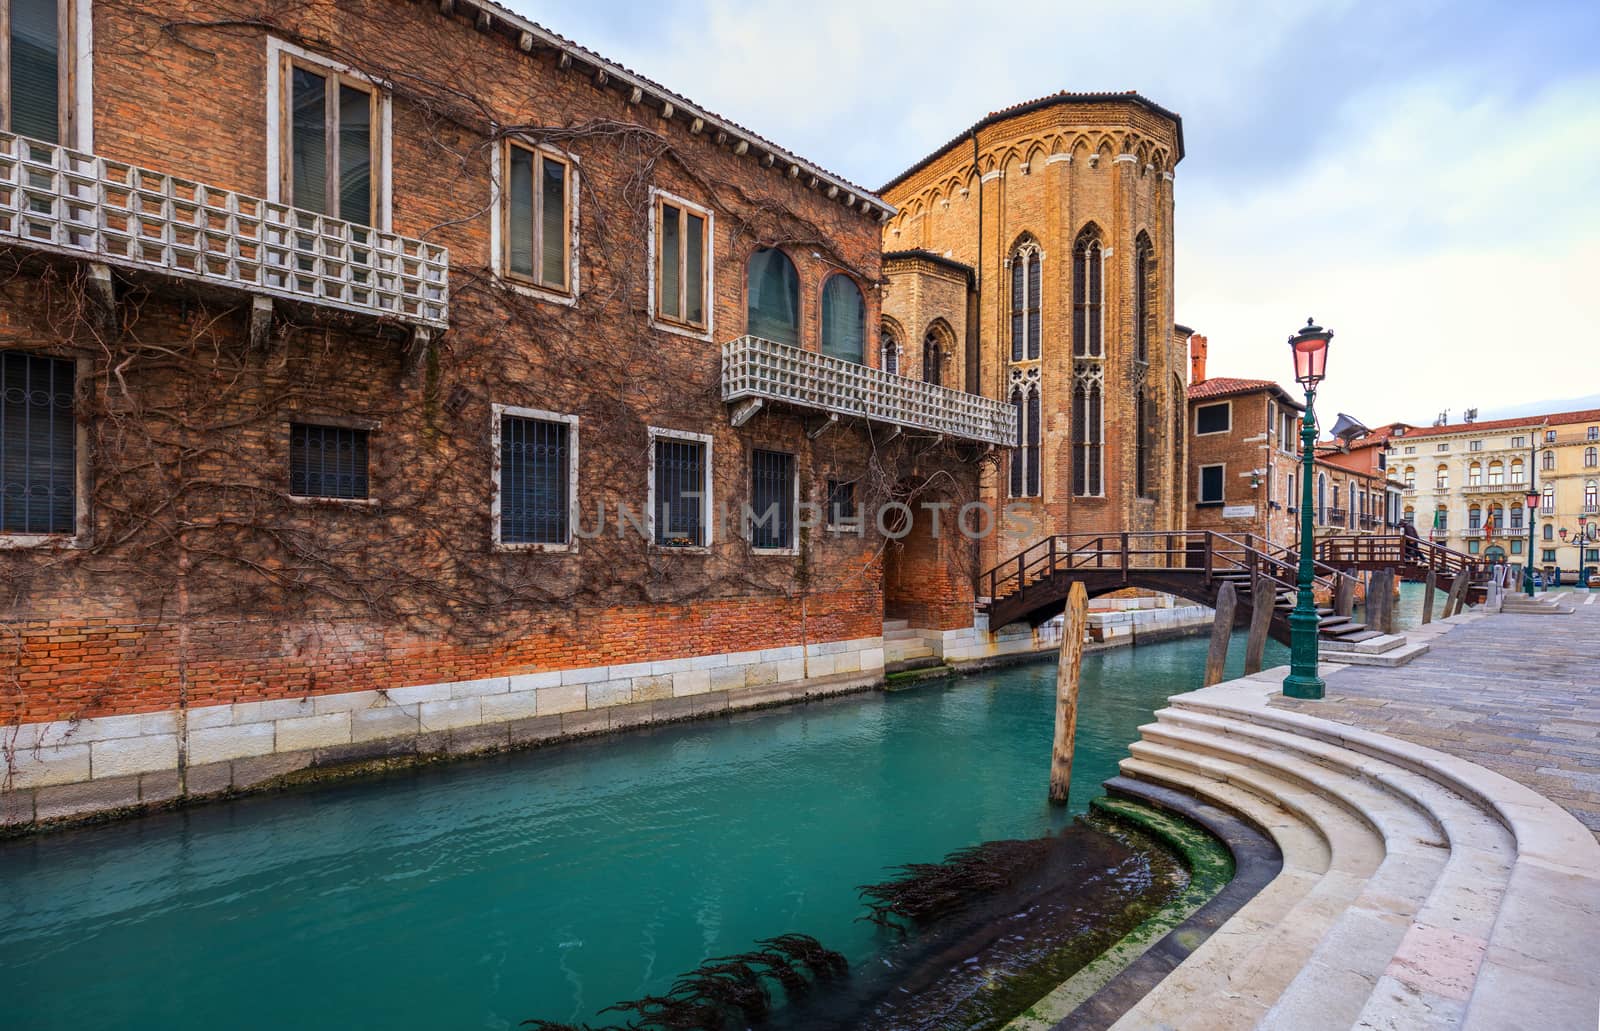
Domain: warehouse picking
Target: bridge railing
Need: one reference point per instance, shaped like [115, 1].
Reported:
[1397, 549]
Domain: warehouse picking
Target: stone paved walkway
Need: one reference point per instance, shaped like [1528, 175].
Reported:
[1518, 694]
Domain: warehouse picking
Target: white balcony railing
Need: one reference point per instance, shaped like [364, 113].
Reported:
[769, 371]
[68, 202]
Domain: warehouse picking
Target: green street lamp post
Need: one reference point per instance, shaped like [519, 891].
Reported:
[1533, 506]
[1310, 348]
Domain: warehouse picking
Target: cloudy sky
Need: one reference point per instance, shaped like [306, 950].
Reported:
[1424, 178]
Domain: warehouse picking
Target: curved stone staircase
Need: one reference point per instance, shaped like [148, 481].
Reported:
[1418, 890]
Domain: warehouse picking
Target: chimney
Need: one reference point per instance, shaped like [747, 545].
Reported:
[1197, 359]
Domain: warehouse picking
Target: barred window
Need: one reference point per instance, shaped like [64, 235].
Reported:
[538, 217]
[35, 57]
[327, 461]
[38, 445]
[680, 499]
[772, 489]
[535, 485]
[1086, 294]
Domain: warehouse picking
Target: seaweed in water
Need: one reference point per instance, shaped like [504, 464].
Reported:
[726, 990]
[923, 892]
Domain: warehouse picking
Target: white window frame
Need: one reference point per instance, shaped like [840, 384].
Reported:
[1200, 484]
[657, 197]
[497, 414]
[708, 507]
[497, 226]
[1213, 404]
[793, 547]
[75, 75]
[277, 51]
[82, 370]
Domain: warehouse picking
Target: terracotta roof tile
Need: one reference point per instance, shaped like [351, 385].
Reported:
[1227, 386]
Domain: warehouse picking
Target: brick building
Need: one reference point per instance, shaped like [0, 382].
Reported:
[349, 414]
[1059, 214]
[1244, 453]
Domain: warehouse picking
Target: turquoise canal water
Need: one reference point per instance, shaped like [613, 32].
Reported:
[548, 883]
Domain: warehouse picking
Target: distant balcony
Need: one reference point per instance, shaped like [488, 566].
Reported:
[1439, 533]
[757, 371]
[1495, 488]
[1338, 517]
[1472, 532]
[68, 202]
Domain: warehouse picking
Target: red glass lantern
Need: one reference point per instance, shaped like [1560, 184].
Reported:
[1310, 348]
[1533, 501]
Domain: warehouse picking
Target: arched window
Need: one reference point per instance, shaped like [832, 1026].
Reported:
[1549, 531]
[1547, 460]
[1474, 475]
[1086, 294]
[1441, 518]
[1411, 477]
[1516, 517]
[1441, 478]
[1025, 290]
[1474, 518]
[1516, 470]
[1497, 474]
[1497, 517]
[1591, 457]
[1025, 456]
[1144, 267]
[889, 351]
[1087, 402]
[934, 353]
[1591, 496]
[772, 302]
[844, 319]
[1410, 514]
[1548, 502]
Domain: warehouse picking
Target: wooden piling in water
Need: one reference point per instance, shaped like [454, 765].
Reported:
[1073, 626]
[1221, 631]
[1263, 597]
[1427, 596]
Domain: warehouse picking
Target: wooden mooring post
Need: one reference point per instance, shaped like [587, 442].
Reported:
[1263, 597]
[1344, 595]
[1457, 598]
[1074, 624]
[1221, 631]
[1427, 595]
[1380, 601]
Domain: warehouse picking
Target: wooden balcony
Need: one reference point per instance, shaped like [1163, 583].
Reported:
[757, 371]
[70, 203]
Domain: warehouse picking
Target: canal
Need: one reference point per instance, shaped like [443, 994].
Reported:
[548, 883]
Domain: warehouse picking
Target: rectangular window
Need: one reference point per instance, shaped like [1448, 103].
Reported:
[34, 53]
[38, 445]
[331, 122]
[1211, 484]
[681, 495]
[1592, 433]
[1519, 441]
[772, 500]
[1443, 447]
[1472, 546]
[1212, 419]
[538, 459]
[841, 502]
[1476, 445]
[1411, 449]
[680, 259]
[1516, 547]
[538, 218]
[1550, 436]
[1547, 461]
[327, 462]
[1549, 555]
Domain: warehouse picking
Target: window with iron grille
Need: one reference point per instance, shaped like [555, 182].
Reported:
[38, 445]
[679, 501]
[841, 502]
[327, 461]
[771, 500]
[535, 480]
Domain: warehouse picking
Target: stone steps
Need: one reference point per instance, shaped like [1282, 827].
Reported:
[1418, 890]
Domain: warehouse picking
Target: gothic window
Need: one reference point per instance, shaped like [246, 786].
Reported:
[891, 352]
[1087, 437]
[1025, 456]
[1025, 289]
[1086, 294]
[772, 302]
[935, 351]
[844, 319]
[1143, 276]
[1144, 443]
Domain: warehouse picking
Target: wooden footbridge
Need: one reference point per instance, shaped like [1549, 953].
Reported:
[1031, 586]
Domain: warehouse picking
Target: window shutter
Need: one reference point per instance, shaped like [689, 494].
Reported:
[35, 70]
